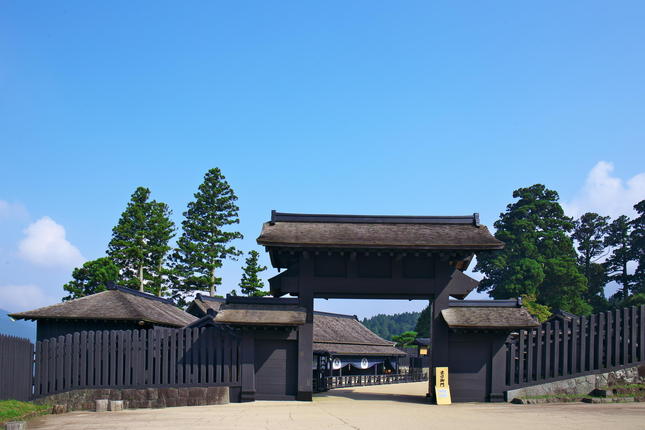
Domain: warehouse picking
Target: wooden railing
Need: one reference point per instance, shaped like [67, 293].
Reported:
[569, 348]
[137, 359]
[331, 382]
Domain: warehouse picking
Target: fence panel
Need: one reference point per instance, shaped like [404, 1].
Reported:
[16, 363]
[569, 348]
[130, 359]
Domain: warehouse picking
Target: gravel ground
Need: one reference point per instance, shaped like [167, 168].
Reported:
[392, 407]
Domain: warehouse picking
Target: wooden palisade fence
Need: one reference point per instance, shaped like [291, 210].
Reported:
[16, 366]
[137, 359]
[562, 349]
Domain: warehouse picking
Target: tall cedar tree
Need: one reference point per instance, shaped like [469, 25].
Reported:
[91, 278]
[251, 284]
[539, 258]
[589, 233]
[638, 247]
[618, 239]
[139, 242]
[204, 245]
[423, 323]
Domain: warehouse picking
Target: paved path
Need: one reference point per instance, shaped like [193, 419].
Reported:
[391, 407]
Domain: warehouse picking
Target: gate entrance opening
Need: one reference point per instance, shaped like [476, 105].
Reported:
[373, 257]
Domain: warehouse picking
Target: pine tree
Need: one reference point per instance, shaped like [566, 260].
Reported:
[139, 242]
[204, 244]
[589, 232]
[618, 239]
[637, 239]
[91, 278]
[539, 258]
[251, 284]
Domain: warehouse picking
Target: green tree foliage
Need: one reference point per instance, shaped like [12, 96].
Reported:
[405, 338]
[91, 278]
[541, 312]
[619, 240]
[423, 323]
[251, 284]
[388, 326]
[589, 233]
[139, 243]
[637, 240]
[204, 244]
[539, 258]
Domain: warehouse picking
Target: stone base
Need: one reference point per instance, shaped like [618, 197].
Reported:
[139, 398]
[304, 396]
[581, 385]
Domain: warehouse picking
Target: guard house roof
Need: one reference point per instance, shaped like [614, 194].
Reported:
[201, 305]
[368, 231]
[116, 304]
[488, 314]
[261, 311]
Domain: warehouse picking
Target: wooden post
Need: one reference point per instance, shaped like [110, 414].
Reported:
[248, 367]
[305, 331]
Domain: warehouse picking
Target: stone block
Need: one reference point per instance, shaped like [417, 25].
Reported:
[152, 394]
[197, 393]
[116, 405]
[171, 403]
[128, 394]
[217, 395]
[141, 394]
[59, 409]
[182, 393]
[101, 405]
[196, 402]
[16, 425]
[168, 393]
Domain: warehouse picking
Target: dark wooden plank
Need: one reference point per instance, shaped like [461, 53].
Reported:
[539, 338]
[67, 362]
[574, 362]
[105, 358]
[565, 347]
[188, 356]
[641, 336]
[529, 355]
[600, 344]
[60, 370]
[120, 358]
[593, 331]
[44, 363]
[625, 332]
[172, 377]
[112, 357]
[195, 357]
[181, 356]
[521, 357]
[76, 360]
[210, 355]
[151, 357]
[158, 357]
[203, 379]
[226, 364]
[583, 343]
[219, 371]
[633, 335]
[165, 356]
[557, 371]
[137, 373]
[548, 360]
[82, 382]
[127, 358]
[618, 323]
[91, 359]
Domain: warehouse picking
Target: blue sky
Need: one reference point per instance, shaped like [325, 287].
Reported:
[331, 107]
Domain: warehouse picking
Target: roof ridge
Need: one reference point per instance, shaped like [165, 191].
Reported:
[386, 219]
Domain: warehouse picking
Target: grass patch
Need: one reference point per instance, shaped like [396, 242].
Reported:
[13, 410]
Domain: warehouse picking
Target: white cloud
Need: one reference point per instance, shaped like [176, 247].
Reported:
[17, 298]
[606, 194]
[45, 244]
[12, 210]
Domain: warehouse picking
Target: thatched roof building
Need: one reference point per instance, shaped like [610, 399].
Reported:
[202, 305]
[488, 315]
[118, 308]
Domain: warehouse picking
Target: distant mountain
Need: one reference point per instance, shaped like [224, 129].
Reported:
[17, 328]
[387, 326]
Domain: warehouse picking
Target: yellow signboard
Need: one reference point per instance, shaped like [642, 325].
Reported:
[441, 388]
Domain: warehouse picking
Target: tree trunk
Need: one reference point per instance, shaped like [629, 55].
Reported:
[160, 280]
[141, 278]
[212, 292]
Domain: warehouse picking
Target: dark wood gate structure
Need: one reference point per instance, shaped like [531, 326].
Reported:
[373, 257]
[16, 367]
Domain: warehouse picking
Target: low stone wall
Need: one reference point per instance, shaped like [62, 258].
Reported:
[581, 385]
[140, 398]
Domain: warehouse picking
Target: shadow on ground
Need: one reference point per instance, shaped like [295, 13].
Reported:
[363, 395]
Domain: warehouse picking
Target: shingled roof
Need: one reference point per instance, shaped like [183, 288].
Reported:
[338, 334]
[202, 304]
[116, 304]
[363, 231]
[488, 314]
